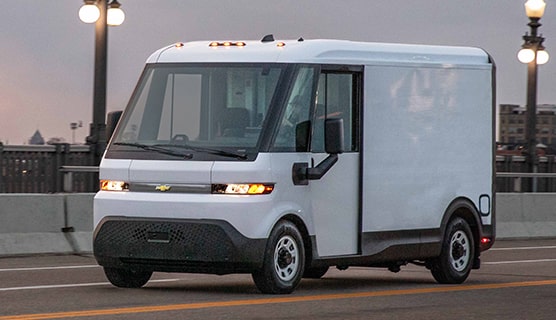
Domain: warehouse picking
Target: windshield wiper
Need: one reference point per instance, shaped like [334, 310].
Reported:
[156, 148]
[207, 150]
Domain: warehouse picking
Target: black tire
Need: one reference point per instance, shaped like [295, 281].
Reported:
[315, 273]
[458, 252]
[127, 278]
[284, 260]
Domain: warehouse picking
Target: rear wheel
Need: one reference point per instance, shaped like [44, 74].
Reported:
[127, 278]
[458, 251]
[284, 260]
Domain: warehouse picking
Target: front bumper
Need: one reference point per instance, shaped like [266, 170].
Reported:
[175, 245]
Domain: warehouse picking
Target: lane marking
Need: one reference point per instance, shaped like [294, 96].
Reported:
[522, 248]
[520, 261]
[98, 266]
[77, 285]
[263, 301]
[49, 268]
[74, 285]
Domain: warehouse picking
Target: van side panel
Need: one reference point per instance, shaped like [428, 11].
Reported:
[426, 143]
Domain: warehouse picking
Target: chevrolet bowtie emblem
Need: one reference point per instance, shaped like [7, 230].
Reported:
[163, 188]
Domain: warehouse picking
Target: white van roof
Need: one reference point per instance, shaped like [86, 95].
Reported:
[317, 51]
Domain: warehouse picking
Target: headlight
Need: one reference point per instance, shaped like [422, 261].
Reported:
[243, 188]
[111, 185]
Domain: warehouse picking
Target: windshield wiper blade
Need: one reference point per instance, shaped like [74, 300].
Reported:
[207, 150]
[156, 148]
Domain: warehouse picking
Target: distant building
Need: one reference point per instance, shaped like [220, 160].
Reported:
[512, 125]
[36, 139]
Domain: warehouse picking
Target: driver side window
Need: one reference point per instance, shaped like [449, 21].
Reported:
[337, 97]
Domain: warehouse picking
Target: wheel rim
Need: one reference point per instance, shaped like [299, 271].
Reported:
[286, 258]
[459, 251]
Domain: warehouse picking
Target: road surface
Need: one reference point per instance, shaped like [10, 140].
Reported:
[517, 281]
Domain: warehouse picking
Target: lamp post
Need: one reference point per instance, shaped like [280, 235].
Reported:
[73, 127]
[532, 52]
[102, 13]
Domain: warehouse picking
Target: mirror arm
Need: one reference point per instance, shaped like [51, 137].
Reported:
[301, 173]
[322, 168]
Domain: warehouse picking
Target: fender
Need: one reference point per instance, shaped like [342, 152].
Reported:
[464, 208]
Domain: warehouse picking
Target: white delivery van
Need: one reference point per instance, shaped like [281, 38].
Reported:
[284, 158]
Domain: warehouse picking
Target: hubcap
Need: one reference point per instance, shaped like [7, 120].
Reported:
[459, 250]
[286, 260]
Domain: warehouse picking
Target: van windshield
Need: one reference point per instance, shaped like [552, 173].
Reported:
[212, 109]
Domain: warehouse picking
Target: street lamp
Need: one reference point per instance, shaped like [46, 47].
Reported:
[533, 53]
[116, 16]
[89, 12]
[102, 13]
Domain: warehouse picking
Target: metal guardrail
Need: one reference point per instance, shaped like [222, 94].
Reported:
[524, 181]
[512, 174]
[524, 175]
[70, 170]
[516, 176]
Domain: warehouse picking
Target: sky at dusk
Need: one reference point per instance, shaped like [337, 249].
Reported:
[47, 53]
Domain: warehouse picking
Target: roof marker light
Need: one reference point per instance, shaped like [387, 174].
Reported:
[179, 45]
[215, 44]
[280, 44]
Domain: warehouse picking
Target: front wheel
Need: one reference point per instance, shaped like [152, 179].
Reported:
[127, 278]
[458, 251]
[284, 260]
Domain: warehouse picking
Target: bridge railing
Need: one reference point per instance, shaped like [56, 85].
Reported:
[37, 169]
[512, 174]
[70, 168]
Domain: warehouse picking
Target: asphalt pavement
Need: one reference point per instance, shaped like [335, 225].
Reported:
[517, 281]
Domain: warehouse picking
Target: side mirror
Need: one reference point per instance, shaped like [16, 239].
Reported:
[334, 145]
[334, 136]
[111, 122]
